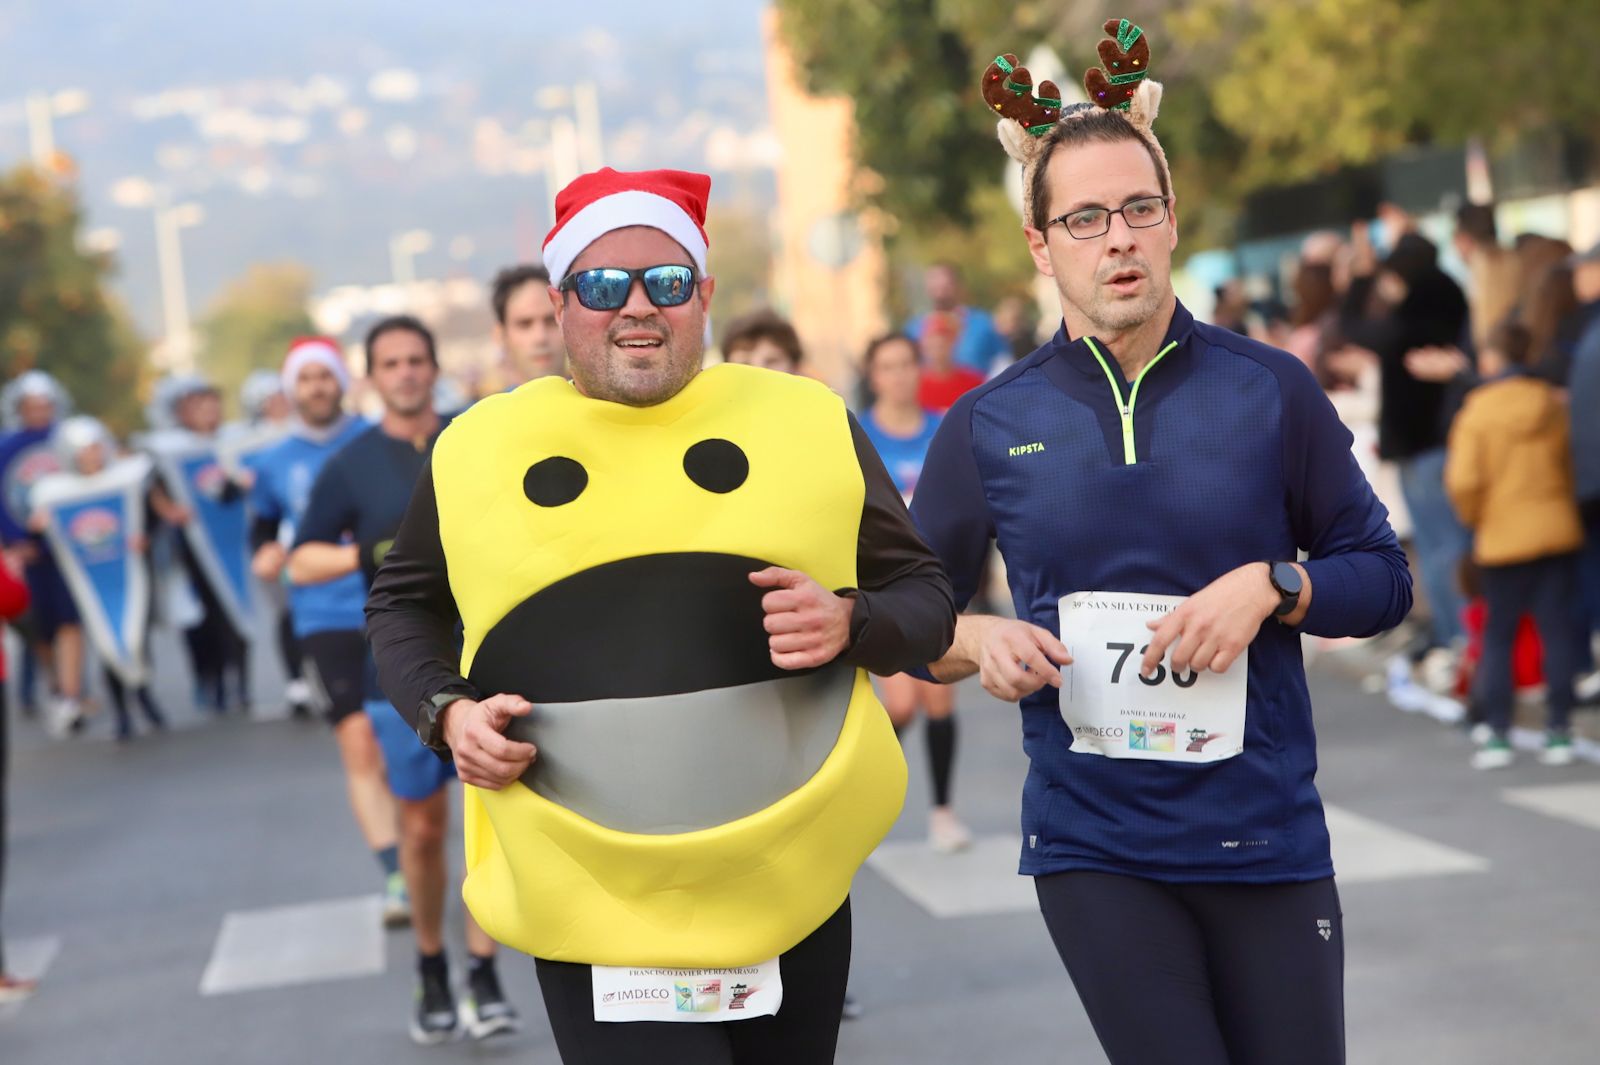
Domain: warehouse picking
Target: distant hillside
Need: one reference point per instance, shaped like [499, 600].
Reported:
[316, 131]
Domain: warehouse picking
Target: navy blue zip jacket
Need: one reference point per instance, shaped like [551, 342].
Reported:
[1223, 452]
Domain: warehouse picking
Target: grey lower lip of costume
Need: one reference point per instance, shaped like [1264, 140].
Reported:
[679, 763]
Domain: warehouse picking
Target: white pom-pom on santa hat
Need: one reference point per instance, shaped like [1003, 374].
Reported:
[673, 201]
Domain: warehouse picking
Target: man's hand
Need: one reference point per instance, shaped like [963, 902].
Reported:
[1211, 628]
[807, 625]
[1351, 362]
[475, 733]
[1437, 364]
[268, 561]
[1014, 658]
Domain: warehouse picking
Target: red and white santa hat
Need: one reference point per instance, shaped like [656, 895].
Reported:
[673, 201]
[304, 351]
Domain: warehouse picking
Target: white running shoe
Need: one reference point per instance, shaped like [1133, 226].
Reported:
[1587, 688]
[946, 833]
[1496, 754]
[61, 716]
[1404, 693]
[1557, 750]
[1437, 670]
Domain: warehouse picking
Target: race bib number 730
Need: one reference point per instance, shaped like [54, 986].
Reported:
[1114, 711]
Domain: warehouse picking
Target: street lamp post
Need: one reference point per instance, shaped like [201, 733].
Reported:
[43, 108]
[170, 219]
[575, 139]
[403, 250]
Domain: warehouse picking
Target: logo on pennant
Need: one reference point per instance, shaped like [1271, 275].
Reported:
[93, 528]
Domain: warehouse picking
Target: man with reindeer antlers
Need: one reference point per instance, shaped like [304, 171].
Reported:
[1150, 480]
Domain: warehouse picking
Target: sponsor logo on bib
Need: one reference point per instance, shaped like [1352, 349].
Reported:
[699, 996]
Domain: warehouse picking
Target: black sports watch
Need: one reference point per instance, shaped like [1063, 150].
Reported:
[429, 729]
[1287, 583]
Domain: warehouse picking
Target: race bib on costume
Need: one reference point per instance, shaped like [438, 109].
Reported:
[1115, 712]
[624, 993]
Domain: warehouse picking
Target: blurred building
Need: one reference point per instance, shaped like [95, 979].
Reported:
[456, 309]
[829, 270]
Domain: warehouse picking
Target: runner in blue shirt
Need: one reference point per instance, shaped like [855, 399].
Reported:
[355, 508]
[980, 345]
[327, 620]
[1150, 481]
[901, 431]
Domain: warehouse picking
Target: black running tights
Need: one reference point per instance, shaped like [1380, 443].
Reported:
[1203, 974]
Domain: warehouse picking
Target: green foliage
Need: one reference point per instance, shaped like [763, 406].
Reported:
[740, 259]
[909, 71]
[1258, 92]
[250, 324]
[54, 311]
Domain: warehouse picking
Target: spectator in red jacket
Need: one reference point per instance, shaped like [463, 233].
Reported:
[943, 380]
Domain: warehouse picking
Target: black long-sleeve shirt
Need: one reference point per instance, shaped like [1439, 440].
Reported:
[903, 614]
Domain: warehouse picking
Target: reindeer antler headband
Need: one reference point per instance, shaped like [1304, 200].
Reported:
[1027, 117]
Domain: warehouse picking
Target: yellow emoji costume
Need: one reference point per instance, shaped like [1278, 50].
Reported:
[691, 805]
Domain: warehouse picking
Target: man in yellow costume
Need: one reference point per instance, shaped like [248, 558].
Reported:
[670, 585]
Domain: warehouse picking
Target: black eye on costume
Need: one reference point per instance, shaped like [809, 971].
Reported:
[716, 465]
[555, 482]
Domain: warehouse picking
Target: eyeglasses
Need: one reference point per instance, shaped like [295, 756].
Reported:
[1094, 222]
[606, 288]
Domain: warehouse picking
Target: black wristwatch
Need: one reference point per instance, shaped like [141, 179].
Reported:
[1287, 583]
[429, 729]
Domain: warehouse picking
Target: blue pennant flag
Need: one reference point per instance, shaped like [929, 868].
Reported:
[92, 525]
[218, 535]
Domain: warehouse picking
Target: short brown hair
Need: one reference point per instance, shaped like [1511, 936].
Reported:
[1511, 339]
[1096, 126]
[400, 323]
[751, 329]
[877, 344]
[507, 281]
[1476, 221]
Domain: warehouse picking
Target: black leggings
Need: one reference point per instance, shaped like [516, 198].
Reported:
[119, 703]
[804, 1031]
[1203, 974]
[289, 647]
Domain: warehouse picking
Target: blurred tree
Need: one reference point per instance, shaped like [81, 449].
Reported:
[54, 311]
[1259, 92]
[907, 68]
[740, 259]
[1317, 84]
[911, 68]
[251, 322]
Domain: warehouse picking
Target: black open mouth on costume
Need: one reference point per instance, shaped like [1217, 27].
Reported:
[652, 625]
